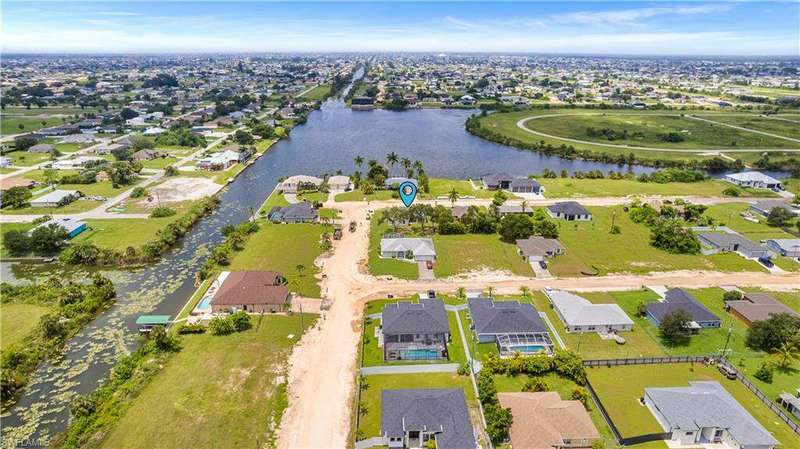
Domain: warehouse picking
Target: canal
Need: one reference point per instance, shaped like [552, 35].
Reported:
[332, 137]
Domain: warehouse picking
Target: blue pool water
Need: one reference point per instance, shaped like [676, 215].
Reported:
[420, 354]
[205, 303]
[528, 349]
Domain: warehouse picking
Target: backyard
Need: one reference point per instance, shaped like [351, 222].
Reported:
[241, 395]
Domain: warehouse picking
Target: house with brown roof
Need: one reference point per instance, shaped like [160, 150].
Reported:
[536, 249]
[543, 421]
[757, 307]
[251, 291]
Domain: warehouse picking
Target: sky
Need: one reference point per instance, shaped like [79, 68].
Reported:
[630, 27]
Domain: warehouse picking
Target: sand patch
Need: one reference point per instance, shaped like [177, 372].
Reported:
[176, 190]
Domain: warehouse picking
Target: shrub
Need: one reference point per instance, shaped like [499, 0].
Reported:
[162, 211]
[732, 295]
[240, 321]
[536, 384]
[192, 329]
[138, 192]
[498, 421]
[732, 191]
[580, 394]
[764, 372]
[221, 326]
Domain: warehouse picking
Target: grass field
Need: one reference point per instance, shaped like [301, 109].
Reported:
[620, 388]
[577, 188]
[120, 233]
[438, 188]
[766, 124]
[373, 355]
[17, 321]
[379, 266]
[589, 244]
[703, 134]
[26, 159]
[317, 93]
[370, 419]
[456, 254]
[11, 123]
[275, 199]
[281, 248]
[697, 134]
[217, 385]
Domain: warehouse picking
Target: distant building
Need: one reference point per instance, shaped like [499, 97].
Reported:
[220, 161]
[679, 299]
[72, 227]
[339, 182]
[41, 148]
[754, 179]
[363, 103]
[757, 307]
[525, 185]
[497, 181]
[296, 183]
[56, 198]
[784, 247]
[764, 207]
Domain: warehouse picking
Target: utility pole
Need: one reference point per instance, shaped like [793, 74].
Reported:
[613, 220]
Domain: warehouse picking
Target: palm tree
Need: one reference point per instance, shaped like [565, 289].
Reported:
[524, 291]
[359, 161]
[491, 291]
[406, 163]
[453, 196]
[461, 293]
[392, 159]
[524, 205]
[786, 354]
[418, 167]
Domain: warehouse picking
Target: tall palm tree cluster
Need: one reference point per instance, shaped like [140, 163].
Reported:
[376, 173]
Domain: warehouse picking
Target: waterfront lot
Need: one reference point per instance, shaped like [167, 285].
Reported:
[317, 93]
[121, 233]
[232, 385]
[589, 245]
[577, 188]
[439, 188]
[619, 389]
[19, 320]
[282, 248]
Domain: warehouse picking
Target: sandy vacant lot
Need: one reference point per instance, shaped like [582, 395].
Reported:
[176, 190]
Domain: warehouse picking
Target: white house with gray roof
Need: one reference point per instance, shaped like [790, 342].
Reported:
[755, 180]
[56, 198]
[580, 315]
[569, 210]
[784, 247]
[718, 242]
[415, 331]
[418, 249]
[514, 326]
[705, 413]
[411, 417]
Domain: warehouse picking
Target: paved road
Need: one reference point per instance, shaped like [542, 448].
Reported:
[521, 125]
[410, 369]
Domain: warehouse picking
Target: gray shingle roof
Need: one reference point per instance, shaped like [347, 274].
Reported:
[404, 317]
[677, 299]
[504, 317]
[727, 240]
[708, 404]
[434, 410]
[568, 208]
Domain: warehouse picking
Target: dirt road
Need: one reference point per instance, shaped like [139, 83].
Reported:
[323, 364]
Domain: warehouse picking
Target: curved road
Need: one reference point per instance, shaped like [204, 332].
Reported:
[521, 125]
[323, 367]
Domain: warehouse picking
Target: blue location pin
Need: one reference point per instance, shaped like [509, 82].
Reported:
[408, 191]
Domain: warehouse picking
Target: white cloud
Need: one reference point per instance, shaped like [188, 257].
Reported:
[462, 24]
[118, 13]
[629, 16]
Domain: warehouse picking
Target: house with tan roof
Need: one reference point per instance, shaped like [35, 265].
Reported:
[543, 421]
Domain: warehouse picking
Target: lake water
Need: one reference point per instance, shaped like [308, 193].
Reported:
[328, 142]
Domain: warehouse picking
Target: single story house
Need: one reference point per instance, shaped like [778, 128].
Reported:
[679, 299]
[580, 315]
[147, 155]
[715, 242]
[537, 249]
[220, 161]
[543, 421]
[296, 183]
[704, 412]
[18, 181]
[497, 181]
[56, 198]
[764, 207]
[791, 403]
[415, 331]
[525, 185]
[784, 247]
[110, 148]
[154, 131]
[506, 209]
[73, 227]
[303, 212]
[419, 249]
[78, 138]
[514, 327]
[339, 182]
[754, 179]
[569, 210]
[459, 211]
[41, 148]
[75, 163]
[251, 291]
[757, 307]
[411, 417]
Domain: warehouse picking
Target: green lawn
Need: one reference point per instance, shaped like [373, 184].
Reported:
[281, 248]
[619, 389]
[358, 195]
[766, 124]
[317, 93]
[370, 405]
[26, 159]
[577, 188]
[456, 254]
[159, 162]
[589, 244]
[379, 266]
[320, 197]
[11, 123]
[275, 199]
[373, 355]
[638, 342]
[120, 233]
[217, 385]
[438, 188]
[17, 321]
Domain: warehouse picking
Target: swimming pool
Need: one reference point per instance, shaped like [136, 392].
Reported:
[528, 349]
[204, 303]
[420, 354]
